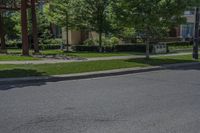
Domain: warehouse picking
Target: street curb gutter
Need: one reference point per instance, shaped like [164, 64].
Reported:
[87, 75]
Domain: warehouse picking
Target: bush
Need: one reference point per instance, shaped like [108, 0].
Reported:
[114, 41]
[14, 44]
[51, 44]
[52, 41]
[106, 42]
[90, 42]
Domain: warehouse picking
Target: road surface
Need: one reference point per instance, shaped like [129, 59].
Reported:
[166, 101]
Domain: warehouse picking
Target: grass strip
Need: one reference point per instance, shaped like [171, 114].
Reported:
[26, 70]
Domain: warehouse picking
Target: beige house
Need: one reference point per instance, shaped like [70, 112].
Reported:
[77, 37]
[185, 31]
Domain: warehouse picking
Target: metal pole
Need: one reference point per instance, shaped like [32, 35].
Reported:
[196, 34]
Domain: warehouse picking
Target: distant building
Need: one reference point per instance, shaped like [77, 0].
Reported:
[77, 37]
[185, 31]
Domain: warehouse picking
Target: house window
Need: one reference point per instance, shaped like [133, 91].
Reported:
[191, 12]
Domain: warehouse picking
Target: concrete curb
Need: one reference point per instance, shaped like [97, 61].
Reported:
[115, 72]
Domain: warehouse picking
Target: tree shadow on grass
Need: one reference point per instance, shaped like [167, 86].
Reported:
[158, 62]
[167, 63]
[6, 85]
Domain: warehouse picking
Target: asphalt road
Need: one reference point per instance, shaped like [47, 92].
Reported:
[166, 101]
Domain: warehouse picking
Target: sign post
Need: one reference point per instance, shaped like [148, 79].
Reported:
[196, 34]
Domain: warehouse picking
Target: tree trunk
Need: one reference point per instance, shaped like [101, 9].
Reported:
[67, 39]
[147, 49]
[34, 27]
[67, 33]
[196, 35]
[24, 25]
[100, 42]
[2, 35]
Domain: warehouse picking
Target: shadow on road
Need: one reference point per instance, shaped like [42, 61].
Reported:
[187, 68]
[6, 85]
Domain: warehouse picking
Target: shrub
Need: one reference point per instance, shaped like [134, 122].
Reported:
[51, 44]
[106, 42]
[14, 44]
[53, 41]
[90, 42]
[114, 40]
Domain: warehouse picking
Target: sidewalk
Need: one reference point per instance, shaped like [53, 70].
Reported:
[54, 61]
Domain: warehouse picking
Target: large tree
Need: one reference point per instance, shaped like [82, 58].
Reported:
[6, 25]
[22, 5]
[95, 16]
[150, 18]
[2, 25]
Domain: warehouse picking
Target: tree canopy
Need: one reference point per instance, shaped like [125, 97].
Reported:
[148, 19]
[151, 19]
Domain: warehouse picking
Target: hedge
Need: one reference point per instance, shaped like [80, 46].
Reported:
[46, 44]
[132, 47]
[85, 48]
[49, 46]
[176, 44]
[116, 48]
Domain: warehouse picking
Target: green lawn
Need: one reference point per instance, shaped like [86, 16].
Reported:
[15, 54]
[180, 48]
[16, 58]
[78, 54]
[7, 71]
